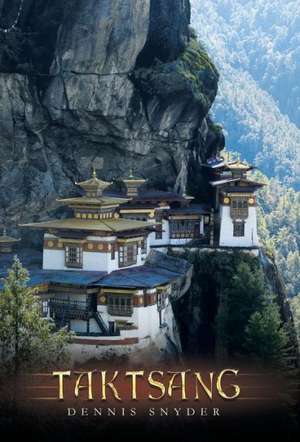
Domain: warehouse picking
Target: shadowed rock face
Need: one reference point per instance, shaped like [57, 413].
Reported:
[98, 78]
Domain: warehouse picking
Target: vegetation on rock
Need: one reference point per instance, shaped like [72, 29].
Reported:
[196, 66]
[229, 295]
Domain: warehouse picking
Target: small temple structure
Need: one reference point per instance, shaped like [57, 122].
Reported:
[105, 271]
[235, 205]
[7, 242]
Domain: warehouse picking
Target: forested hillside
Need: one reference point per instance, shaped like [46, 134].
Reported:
[255, 45]
[279, 228]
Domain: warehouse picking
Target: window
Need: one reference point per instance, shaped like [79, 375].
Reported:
[120, 305]
[158, 231]
[144, 246]
[239, 208]
[45, 308]
[182, 229]
[113, 252]
[161, 300]
[73, 256]
[127, 255]
[238, 228]
[158, 227]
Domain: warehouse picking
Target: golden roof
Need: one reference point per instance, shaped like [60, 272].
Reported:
[94, 201]
[8, 239]
[238, 165]
[109, 225]
[94, 187]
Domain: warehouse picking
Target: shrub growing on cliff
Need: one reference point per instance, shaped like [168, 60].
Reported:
[195, 66]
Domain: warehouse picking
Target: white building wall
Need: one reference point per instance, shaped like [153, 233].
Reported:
[166, 241]
[165, 235]
[78, 326]
[146, 319]
[92, 261]
[179, 241]
[226, 229]
[54, 259]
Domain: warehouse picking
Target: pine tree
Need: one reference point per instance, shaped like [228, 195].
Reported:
[265, 335]
[27, 340]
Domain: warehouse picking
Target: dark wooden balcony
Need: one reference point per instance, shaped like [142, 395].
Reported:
[67, 309]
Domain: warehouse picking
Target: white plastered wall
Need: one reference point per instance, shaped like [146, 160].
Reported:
[54, 259]
[250, 239]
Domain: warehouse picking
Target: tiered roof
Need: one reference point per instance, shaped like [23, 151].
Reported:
[110, 225]
[93, 212]
[232, 177]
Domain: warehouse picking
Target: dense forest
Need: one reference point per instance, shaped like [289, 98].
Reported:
[255, 45]
[239, 314]
[279, 230]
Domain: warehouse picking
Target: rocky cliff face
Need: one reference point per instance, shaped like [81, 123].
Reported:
[112, 79]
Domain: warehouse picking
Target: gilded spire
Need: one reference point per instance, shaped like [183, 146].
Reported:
[94, 187]
[133, 183]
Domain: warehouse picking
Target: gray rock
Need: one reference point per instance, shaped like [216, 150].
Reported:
[99, 78]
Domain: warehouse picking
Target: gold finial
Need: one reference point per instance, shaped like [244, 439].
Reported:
[94, 174]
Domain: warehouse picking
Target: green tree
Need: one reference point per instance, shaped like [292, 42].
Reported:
[27, 340]
[265, 335]
[295, 306]
[244, 294]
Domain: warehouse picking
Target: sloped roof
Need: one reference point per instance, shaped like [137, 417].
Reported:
[138, 277]
[8, 239]
[92, 201]
[160, 269]
[109, 225]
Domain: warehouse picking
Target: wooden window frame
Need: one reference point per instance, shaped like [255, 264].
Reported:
[161, 300]
[159, 232]
[128, 254]
[120, 305]
[113, 252]
[71, 260]
[238, 229]
[184, 229]
[239, 208]
[144, 246]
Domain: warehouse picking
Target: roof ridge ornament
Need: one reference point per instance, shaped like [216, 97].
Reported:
[133, 183]
[93, 187]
